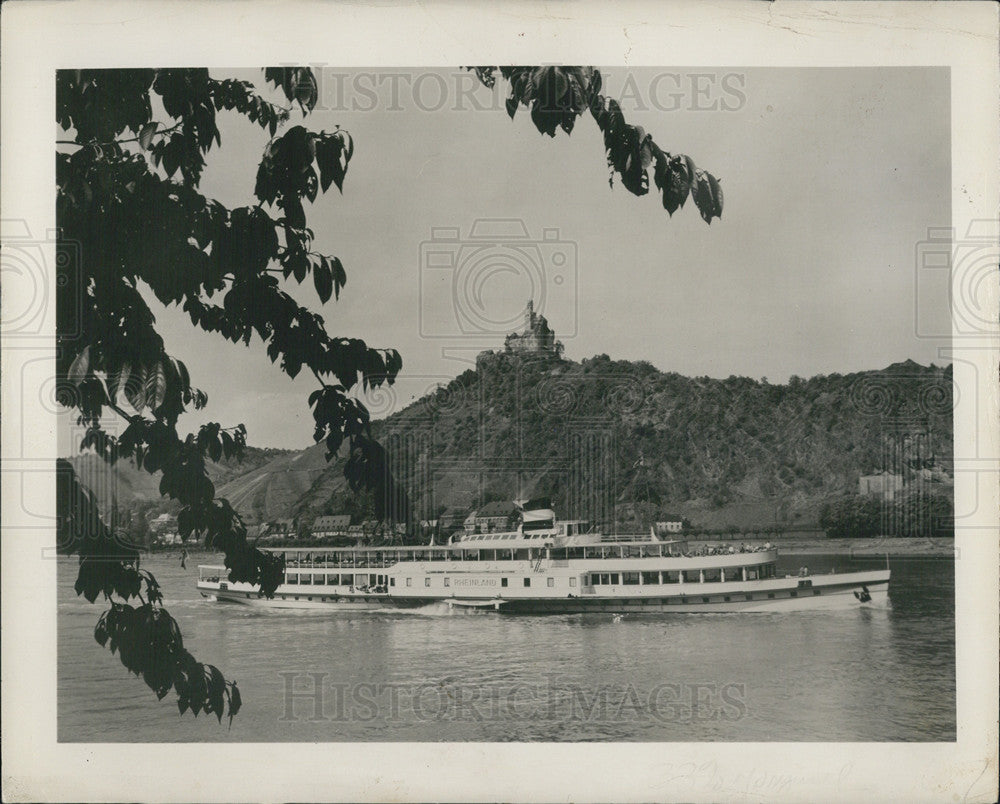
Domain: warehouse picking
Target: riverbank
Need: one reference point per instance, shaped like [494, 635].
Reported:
[791, 545]
[925, 547]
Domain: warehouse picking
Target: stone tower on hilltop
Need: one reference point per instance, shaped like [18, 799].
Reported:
[536, 336]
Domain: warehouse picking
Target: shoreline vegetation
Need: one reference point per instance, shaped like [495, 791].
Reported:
[930, 547]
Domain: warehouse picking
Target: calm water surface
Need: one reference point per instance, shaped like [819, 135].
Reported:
[862, 674]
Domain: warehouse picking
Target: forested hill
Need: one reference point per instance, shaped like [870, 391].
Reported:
[621, 440]
[617, 441]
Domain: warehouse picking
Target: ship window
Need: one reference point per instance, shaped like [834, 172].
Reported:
[749, 596]
[711, 575]
[684, 600]
[551, 581]
[751, 575]
[794, 593]
[770, 595]
[503, 581]
[630, 578]
[704, 600]
[409, 581]
[527, 581]
[816, 591]
[392, 582]
[427, 581]
[572, 581]
[651, 578]
[614, 578]
[726, 598]
[447, 581]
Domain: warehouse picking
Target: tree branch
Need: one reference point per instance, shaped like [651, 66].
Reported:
[119, 142]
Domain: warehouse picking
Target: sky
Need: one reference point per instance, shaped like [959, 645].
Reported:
[832, 178]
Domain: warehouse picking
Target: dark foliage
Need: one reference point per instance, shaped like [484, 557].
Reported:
[557, 96]
[132, 218]
[129, 211]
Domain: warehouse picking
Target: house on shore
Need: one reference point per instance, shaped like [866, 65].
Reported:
[280, 530]
[883, 484]
[495, 517]
[325, 527]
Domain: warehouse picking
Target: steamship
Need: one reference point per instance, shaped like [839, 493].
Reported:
[549, 566]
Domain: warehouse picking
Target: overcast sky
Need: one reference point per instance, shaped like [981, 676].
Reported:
[832, 178]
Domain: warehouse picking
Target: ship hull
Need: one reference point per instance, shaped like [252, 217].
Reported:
[818, 593]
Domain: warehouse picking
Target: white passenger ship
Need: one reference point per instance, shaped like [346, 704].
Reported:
[556, 569]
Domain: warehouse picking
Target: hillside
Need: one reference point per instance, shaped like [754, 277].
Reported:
[615, 441]
[620, 442]
[127, 485]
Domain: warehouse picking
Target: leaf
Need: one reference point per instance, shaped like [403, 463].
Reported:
[323, 279]
[78, 369]
[134, 391]
[511, 104]
[348, 144]
[235, 702]
[171, 160]
[185, 378]
[298, 265]
[156, 386]
[673, 177]
[707, 196]
[118, 380]
[329, 150]
[339, 275]
[146, 135]
[215, 449]
[328, 158]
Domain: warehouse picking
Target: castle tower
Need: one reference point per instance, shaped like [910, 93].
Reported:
[536, 336]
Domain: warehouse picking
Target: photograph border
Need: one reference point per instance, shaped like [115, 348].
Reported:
[40, 37]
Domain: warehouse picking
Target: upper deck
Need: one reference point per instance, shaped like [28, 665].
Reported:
[519, 549]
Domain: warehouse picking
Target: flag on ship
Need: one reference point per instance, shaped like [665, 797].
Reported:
[536, 514]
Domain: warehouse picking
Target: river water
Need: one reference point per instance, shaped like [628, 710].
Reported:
[861, 674]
